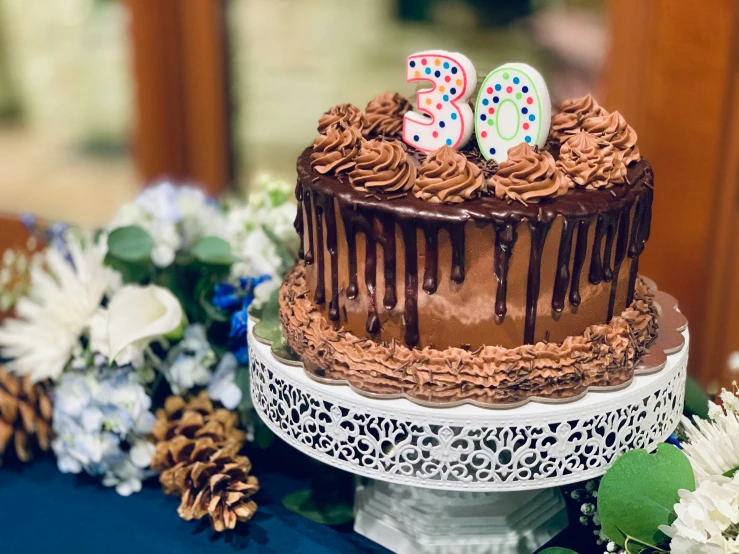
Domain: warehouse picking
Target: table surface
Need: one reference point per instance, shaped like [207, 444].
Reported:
[42, 510]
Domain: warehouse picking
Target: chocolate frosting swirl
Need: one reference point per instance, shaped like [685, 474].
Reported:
[384, 115]
[383, 165]
[571, 115]
[348, 114]
[586, 161]
[446, 176]
[614, 129]
[528, 175]
[335, 151]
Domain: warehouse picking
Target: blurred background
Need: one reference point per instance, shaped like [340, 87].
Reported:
[99, 97]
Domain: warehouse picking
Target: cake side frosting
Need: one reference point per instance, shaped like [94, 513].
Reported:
[603, 355]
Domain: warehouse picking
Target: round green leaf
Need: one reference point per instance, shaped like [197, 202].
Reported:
[130, 244]
[303, 503]
[213, 250]
[638, 494]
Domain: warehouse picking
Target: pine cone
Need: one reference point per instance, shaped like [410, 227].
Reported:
[25, 415]
[220, 487]
[197, 419]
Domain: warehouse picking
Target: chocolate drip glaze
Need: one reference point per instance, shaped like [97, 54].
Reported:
[308, 256]
[320, 296]
[387, 240]
[621, 245]
[505, 239]
[329, 214]
[410, 309]
[350, 228]
[299, 218]
[581, 249]
[539, 230]
[370, 276]
[431, 269]
[624, 226]
[562, 277]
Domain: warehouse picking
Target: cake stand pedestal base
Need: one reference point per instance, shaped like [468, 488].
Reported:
[411, 520]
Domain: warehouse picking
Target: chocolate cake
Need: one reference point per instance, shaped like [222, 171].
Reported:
[444, 275]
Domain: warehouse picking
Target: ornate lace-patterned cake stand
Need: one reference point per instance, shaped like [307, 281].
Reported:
[466, 478]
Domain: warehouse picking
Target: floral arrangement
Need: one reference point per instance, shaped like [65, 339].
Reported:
[114, 327]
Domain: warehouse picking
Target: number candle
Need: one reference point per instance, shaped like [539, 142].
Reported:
[446, 117]
[512, 107]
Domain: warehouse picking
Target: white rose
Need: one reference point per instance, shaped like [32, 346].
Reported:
[137, 315]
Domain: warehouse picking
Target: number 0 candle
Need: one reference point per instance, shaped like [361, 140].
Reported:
[445, 116]
[512, 107]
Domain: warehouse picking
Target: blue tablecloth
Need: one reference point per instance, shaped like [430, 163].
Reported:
[43, 510]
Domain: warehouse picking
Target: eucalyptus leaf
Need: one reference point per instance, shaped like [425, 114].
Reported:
[204, 293]
[557, 550]
[131, 272]
[130, 244]
[303, 503]
[638, 494]
[269, 327]
[213, 251]
[696, 400]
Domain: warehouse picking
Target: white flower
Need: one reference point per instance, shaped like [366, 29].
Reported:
[222, 387]
[189, 363]
[160, 201]
[713, 445]
[707, 519]
[733, 361]
[137, 315]
[64, 296]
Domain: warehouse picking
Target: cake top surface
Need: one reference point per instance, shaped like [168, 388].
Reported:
[589, 163]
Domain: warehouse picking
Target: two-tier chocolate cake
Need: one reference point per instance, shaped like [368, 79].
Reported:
[445, 276]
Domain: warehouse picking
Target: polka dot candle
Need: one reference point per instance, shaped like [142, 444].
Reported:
[444, 116]
[512, 107]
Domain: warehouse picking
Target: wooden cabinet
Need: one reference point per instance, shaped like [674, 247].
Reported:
[673, 71]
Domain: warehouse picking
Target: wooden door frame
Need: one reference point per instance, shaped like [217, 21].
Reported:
[180, 65]
[663, 56]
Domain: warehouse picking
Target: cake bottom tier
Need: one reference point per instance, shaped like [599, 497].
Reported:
[603, 356]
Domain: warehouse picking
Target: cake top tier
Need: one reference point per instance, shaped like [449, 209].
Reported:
[590, 158]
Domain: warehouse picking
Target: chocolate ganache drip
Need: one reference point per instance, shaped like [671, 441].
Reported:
[383, 166]
[586, 161]
[348, 114]
[528, 175]
[335, 151]
[446, 176]
[571, 115]
[613, 128]
[384, 115]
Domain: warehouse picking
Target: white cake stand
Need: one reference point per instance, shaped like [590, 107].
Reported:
[464, 479]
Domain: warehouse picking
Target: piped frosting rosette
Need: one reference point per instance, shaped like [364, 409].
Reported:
[348, 114]
[571, 116]
[383, 166]
[528, 175]
[586, 161]
[613, 128]
[335, 150]
[384, 115]
[446, 176]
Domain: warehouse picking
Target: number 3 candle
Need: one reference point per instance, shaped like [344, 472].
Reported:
[446, 117]
[512, 107]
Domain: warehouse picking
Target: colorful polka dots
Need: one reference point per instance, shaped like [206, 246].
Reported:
[446, 117]
[513, 107]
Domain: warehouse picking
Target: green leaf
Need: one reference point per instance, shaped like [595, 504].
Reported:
[696, 400]
[130, 244]
[269, 327]
[132, 272]
[214, 251]
[303, 503]
[263, 436]
[557, 550]
[638, 493]
[204, 293]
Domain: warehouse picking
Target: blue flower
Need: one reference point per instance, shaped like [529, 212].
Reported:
[673, 440]
[226, 297]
